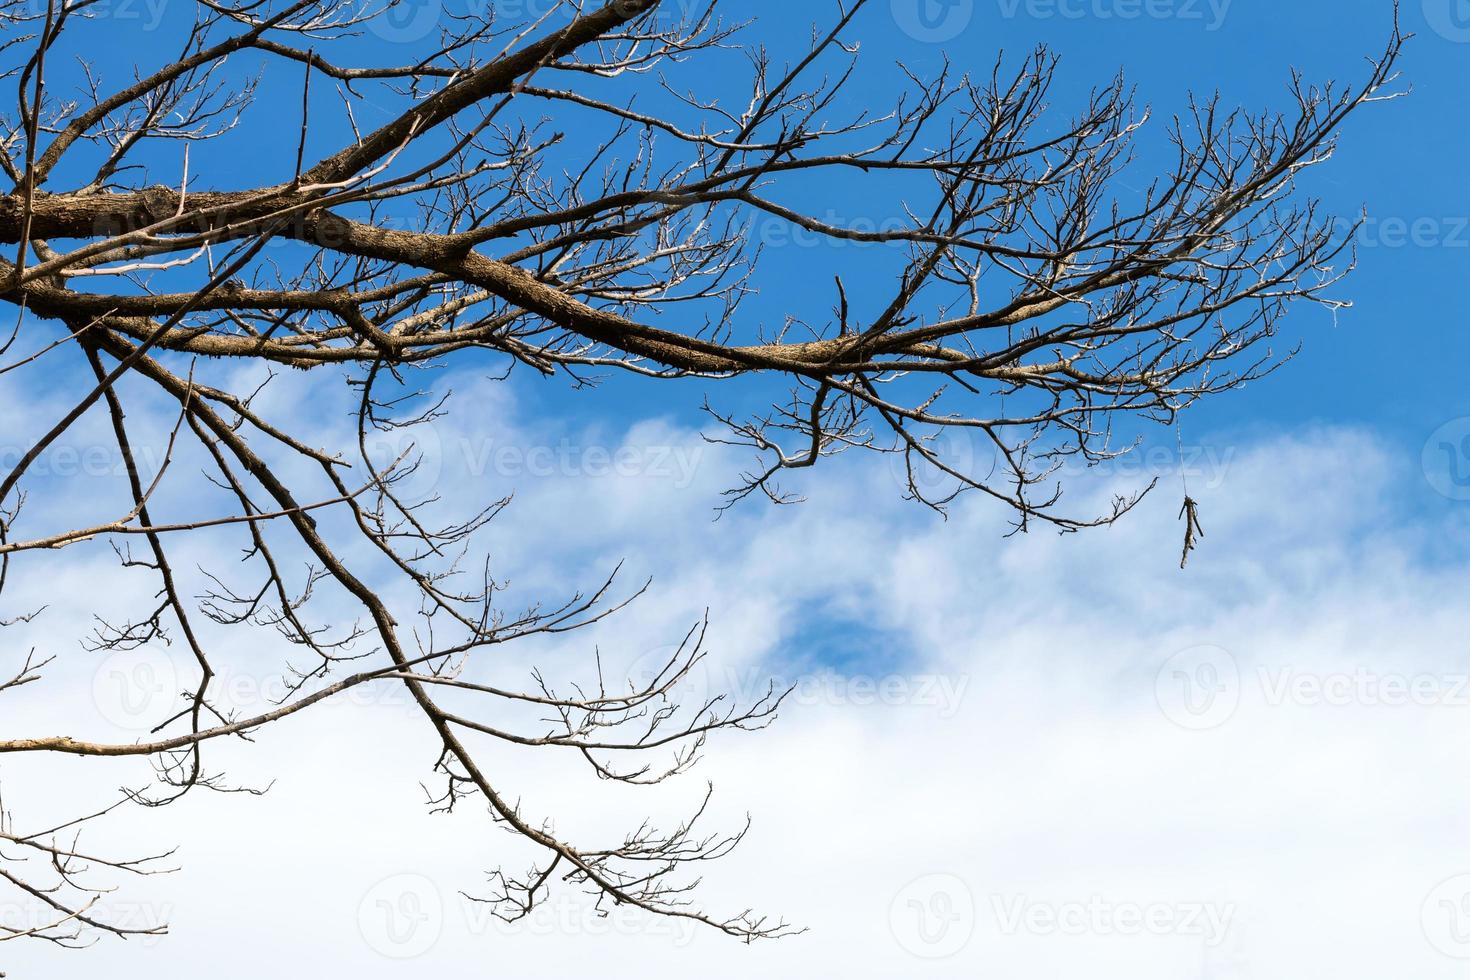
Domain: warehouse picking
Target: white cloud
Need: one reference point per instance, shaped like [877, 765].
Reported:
[1050, 807]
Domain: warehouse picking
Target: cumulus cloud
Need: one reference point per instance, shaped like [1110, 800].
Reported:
[1034, 756]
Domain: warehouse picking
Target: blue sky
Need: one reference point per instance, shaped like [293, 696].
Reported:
[1392, 362]
[1058, 765]
[1395, 361]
